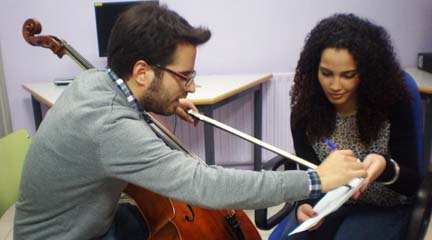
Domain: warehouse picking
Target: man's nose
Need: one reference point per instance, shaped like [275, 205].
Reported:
[190, 88]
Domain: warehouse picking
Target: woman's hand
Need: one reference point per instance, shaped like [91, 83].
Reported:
[186, 104]
[339, 168]
[304, 212]
[375, 165]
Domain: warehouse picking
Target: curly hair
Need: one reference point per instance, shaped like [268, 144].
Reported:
[381, 78]
[147, 31]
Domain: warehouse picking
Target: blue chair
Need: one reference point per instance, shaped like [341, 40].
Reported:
[421, 212]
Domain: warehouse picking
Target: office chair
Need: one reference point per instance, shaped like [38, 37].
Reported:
[421, 212]
[13, 149]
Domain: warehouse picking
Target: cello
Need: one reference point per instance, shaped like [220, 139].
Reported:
[165, 218]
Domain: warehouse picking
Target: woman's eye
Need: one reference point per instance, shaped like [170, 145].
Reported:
[351, 75]
[326, 73]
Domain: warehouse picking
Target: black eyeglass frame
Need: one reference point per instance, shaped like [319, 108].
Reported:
[182, 75]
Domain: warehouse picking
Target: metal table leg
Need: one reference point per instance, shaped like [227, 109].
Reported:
[208, 136]
[258, 128]
[209, 130]
[37, 112]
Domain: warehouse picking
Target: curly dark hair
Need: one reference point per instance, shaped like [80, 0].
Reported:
[147, 31]
[381, 78]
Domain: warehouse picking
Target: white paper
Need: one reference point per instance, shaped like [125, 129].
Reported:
[330, 203]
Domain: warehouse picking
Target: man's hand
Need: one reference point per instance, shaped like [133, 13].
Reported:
[304, 212]
[339, 168]
[375, 165]
[186, 104]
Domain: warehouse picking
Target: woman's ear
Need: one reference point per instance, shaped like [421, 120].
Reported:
[142, 73]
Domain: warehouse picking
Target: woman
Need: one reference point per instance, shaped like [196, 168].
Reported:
[349, 88]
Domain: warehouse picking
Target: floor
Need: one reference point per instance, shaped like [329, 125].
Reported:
[6, 224]
[429, 232]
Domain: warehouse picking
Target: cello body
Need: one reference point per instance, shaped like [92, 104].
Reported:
[165, 218]
[171, 219]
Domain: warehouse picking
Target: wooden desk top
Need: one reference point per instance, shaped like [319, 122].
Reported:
[210, 88]
[214, 88]
[422, 78]
[46, 93]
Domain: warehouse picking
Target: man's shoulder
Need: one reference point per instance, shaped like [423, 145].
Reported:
[90, 78]
[93, 72]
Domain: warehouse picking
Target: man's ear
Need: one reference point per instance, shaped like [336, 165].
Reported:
[142, 73]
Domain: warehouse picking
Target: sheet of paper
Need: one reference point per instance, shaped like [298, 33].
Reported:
[330, 203]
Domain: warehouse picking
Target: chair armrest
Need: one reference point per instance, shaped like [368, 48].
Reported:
[264, 223]
[261, 220]
[420, 215]
[278, 161]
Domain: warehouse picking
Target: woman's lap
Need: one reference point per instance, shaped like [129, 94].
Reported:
[356, 222]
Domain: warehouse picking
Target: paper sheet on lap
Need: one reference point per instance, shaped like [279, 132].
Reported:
[330, 203]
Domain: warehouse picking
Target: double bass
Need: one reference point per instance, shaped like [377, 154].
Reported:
[165, 218]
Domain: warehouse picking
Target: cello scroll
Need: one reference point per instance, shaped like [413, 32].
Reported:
[32, 27]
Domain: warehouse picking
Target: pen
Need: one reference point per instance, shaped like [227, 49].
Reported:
[331, 145]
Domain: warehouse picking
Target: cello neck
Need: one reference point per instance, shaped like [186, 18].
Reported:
[76, 57]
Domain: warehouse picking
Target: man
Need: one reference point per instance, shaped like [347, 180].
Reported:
[94, 141]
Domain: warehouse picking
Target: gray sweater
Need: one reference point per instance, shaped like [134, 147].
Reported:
[92, 143]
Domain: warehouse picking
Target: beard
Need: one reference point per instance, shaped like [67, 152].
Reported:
[156, 100]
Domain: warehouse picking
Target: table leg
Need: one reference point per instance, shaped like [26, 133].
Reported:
[258, 127]
[37, 112]
[209, 129]
[208, 136]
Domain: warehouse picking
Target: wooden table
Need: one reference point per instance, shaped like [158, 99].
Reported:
[212, 92]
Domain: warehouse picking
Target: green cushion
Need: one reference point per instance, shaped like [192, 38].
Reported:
[13, 149]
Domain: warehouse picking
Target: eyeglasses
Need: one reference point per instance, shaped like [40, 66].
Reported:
[186, 76]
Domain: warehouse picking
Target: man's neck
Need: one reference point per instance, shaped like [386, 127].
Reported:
[134, 88]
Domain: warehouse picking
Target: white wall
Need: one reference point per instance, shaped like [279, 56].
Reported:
[249, 36]
[5, 123]
[262, 36]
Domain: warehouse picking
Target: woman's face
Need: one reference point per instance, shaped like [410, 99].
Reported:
[339, 79]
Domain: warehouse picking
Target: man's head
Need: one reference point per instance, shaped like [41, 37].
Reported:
[154, 50]
[151, 33]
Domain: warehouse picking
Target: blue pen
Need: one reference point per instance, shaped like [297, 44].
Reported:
[331, 145]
